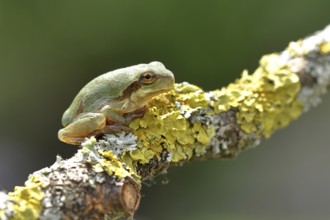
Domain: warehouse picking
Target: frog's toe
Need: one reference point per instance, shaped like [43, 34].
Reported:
[69, 140]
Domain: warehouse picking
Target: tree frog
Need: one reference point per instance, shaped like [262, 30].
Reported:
[113, 99]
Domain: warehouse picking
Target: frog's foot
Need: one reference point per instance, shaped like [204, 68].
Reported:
[111, 129]
[74, 140]
[70, 138]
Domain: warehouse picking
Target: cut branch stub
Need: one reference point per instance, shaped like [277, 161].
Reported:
[123, 197]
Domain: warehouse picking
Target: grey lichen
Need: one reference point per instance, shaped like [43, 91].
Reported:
[73, 189]
[229, 140]
[310, 59]
[118, 142]
[6, 206]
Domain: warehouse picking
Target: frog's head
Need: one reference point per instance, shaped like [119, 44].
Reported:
[150, 80]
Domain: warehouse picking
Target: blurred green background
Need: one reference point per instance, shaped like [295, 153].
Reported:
[50, 49]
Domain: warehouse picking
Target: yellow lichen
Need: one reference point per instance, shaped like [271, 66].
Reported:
[106, 161]
[266, 100]
[325, 48]
[112, 166]
[163, 127]
[28, 199]
[295, 48]
[191, 96]
[202, 135]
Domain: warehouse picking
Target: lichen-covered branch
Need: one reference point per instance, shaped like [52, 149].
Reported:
[103, 180]
[87, 186]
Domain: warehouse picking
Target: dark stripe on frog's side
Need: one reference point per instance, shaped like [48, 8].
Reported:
[136, 86]
[125, 94]
[128, 91]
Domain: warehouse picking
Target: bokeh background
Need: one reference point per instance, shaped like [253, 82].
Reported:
[50, 49]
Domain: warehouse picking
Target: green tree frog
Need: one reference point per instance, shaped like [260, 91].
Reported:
[113, 99]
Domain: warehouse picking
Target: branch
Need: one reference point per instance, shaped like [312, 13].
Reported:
[103, 180]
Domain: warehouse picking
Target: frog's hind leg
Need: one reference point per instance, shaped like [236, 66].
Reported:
[76, 132]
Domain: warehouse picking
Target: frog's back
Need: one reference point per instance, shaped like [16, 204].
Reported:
[93, 96]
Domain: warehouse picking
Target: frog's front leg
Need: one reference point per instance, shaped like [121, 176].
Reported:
[122, 118]
[82, 127]
[118, 121]
[114, 117]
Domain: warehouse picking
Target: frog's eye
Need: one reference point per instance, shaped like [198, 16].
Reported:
[147, 78]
